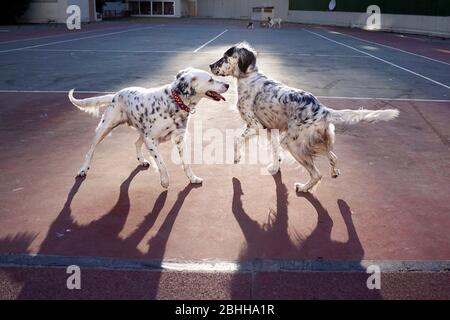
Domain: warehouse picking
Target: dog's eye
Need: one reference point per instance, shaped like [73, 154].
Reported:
[211, 80]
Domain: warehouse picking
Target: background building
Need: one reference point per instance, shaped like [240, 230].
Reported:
[176, 8]
[44, 11]
[418, 16]
[415, 16]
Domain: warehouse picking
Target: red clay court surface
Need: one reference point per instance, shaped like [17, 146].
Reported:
[241, 235]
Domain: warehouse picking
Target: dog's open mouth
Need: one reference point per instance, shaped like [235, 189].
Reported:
[215, 95]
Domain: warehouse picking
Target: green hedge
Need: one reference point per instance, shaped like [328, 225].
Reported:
[413, 7]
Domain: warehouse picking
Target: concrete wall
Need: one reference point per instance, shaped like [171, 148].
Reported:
[53, 11]
[184, 8]
[238, 9]
[391, 22]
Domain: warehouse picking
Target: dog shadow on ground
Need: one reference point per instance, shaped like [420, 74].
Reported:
[268, 240]
[100, 238]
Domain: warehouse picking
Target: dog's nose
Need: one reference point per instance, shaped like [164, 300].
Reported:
[227, 85]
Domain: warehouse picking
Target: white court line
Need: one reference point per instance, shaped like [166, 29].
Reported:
[199, 52]
[386, 46]
[234, 94]
[59, 35]
[380, 59]
[82, 38]
[206, 43]
[109, 51]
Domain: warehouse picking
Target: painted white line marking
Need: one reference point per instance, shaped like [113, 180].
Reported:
[232, 94]
[380, 59]
[206, 43]
[210, 265]
[82, 38]
[394, 48]
[53, 91]
[108, 51]
[383, 99]
[60, 35]
[199, 52]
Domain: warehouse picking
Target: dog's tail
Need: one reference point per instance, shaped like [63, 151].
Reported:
[348, 116]
[91, 105]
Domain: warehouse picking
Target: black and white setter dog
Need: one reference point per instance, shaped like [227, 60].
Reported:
[305, 125]
[158, 114]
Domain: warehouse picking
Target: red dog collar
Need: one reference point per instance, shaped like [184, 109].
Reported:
[180, 102]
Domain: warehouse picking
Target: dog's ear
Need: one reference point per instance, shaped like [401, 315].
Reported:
[183, 84]
[181, 72]
[246, 58]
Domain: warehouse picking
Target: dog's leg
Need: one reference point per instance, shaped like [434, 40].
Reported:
[154, 152]
[330, 137]
[179, 141]
[307, 162]
[107, 123]
[274, 167]
[240, 140]
[335, 172]
[140, 156]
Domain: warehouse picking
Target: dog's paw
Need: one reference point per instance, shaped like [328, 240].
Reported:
[145, 164]
[165, 183]
[82, 172]
[300, 187]
[335, 173]
[273, 168]
[196, 180]
[237, 158]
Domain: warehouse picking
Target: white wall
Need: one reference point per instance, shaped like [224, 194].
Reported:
[391, 22]
[239, 9]
[43, 12]
[183, 8]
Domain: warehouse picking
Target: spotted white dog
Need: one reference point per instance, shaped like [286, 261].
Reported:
[158, 114]
[306, 126]
[274, 22]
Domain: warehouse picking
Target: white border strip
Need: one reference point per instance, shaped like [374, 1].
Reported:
[206, 43]
[266, 53]
[233, 94]
[257, 265]
[393, 48]
[60, 35]
[81, 38]
[380, 59]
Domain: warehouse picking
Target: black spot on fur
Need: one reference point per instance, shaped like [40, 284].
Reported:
[230, 51]
[315, 108]
[246, 59]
